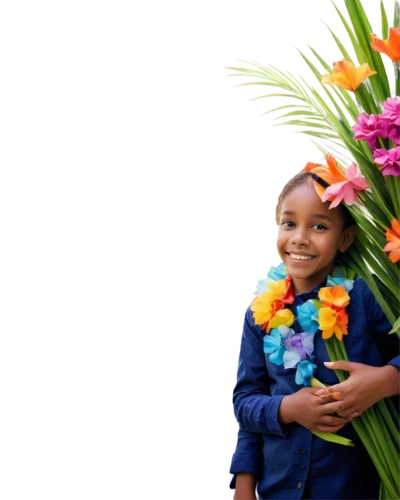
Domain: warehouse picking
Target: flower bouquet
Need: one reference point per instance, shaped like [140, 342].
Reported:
[356, 118]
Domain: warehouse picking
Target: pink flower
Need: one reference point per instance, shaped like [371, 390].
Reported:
[392, 111]
[368, 128]
[388, 161]
[346, 190]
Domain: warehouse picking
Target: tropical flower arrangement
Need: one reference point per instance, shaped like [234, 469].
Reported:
[360, 119]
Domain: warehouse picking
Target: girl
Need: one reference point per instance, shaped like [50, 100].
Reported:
[276, 452]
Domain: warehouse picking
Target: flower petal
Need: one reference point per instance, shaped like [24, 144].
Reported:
[290, 359]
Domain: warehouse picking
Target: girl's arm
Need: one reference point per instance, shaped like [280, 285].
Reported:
[245, 487]
[255, 409]
[248, 456]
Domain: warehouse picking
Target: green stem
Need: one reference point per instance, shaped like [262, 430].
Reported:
[387, 417]
[393, 412]
[359, 426]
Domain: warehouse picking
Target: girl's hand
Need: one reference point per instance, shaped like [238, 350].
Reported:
[310, 411]
[365, 386]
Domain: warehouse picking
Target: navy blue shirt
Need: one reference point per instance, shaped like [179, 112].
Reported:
[288, 460]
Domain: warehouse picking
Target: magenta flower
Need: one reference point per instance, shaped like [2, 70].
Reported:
[392, 111]
[388, 161]
[368, 128]
[347, 190]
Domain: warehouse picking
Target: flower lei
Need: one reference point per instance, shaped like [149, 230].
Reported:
[328, 314]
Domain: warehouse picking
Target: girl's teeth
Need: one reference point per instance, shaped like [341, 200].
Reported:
[300, 257]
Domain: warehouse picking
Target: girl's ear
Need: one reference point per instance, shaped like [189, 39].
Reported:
[348, 236]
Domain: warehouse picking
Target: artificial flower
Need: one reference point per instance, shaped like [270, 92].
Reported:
[278, 272]
[340, 280]
[298, 347]
[346, 190]
[388, 160]
[263, 309]
[307, 315]
[280, 290]
[282, 317]
[346, 75]
[393, 238]
[275, 273]
[390, 47]
[274, 347]
[333, 321]
[305, 371]
[334, 296]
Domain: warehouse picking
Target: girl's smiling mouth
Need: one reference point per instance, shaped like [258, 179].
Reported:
[296, 257]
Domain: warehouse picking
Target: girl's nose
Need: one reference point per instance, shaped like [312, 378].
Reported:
[300, 238]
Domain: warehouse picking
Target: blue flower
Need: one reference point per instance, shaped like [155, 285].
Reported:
[307, 314]
[273, 346]
[346, 284]
[275, 273]
[305, 370]
[278, 273]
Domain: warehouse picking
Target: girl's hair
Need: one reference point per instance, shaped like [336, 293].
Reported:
[300, 179]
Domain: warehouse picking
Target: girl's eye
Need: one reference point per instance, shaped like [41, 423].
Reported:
[320, 227]
[288, 223]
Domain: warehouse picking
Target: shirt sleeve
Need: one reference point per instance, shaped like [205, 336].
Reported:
[388, 344]
[248, 456]
[255, 409]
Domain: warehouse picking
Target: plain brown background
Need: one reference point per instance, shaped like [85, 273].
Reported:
[137, 197]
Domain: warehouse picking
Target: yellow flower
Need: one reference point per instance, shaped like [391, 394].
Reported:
[346, 75]
[263, 309]
[334, 296]
[277, 290]
[332, 322]
[282, 317]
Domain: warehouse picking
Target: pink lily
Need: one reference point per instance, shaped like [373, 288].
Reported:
[346, 190]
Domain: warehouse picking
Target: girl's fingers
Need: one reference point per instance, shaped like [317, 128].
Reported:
[333, 421]
[337, 396]
[348, 412]
[336, 407]
[328, 428]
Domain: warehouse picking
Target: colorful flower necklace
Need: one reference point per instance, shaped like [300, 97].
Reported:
[328, 314]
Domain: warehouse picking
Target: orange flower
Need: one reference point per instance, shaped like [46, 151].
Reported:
[333, 322]
[390, 47]
[393, 237]
[334, 296]
[346, 75]
[330, 174]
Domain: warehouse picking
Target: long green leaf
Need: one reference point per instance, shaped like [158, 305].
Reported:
[304, 123]
[385, 26]
[340, 45]
[357, 48]
[396, 16]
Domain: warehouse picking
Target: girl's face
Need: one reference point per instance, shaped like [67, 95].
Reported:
[310, 236]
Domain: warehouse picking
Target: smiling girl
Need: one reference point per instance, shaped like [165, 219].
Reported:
[276, 409]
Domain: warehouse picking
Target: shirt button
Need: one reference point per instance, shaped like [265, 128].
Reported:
[302, 451]
[302, 467]
[299, 485]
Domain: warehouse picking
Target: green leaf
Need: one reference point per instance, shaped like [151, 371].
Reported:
[357, 48]
[300, 113]
[396, 326]
[314, 381]
[340, 45]
[333, 438]
[304, 123]
[385, 26]
[396, 17]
